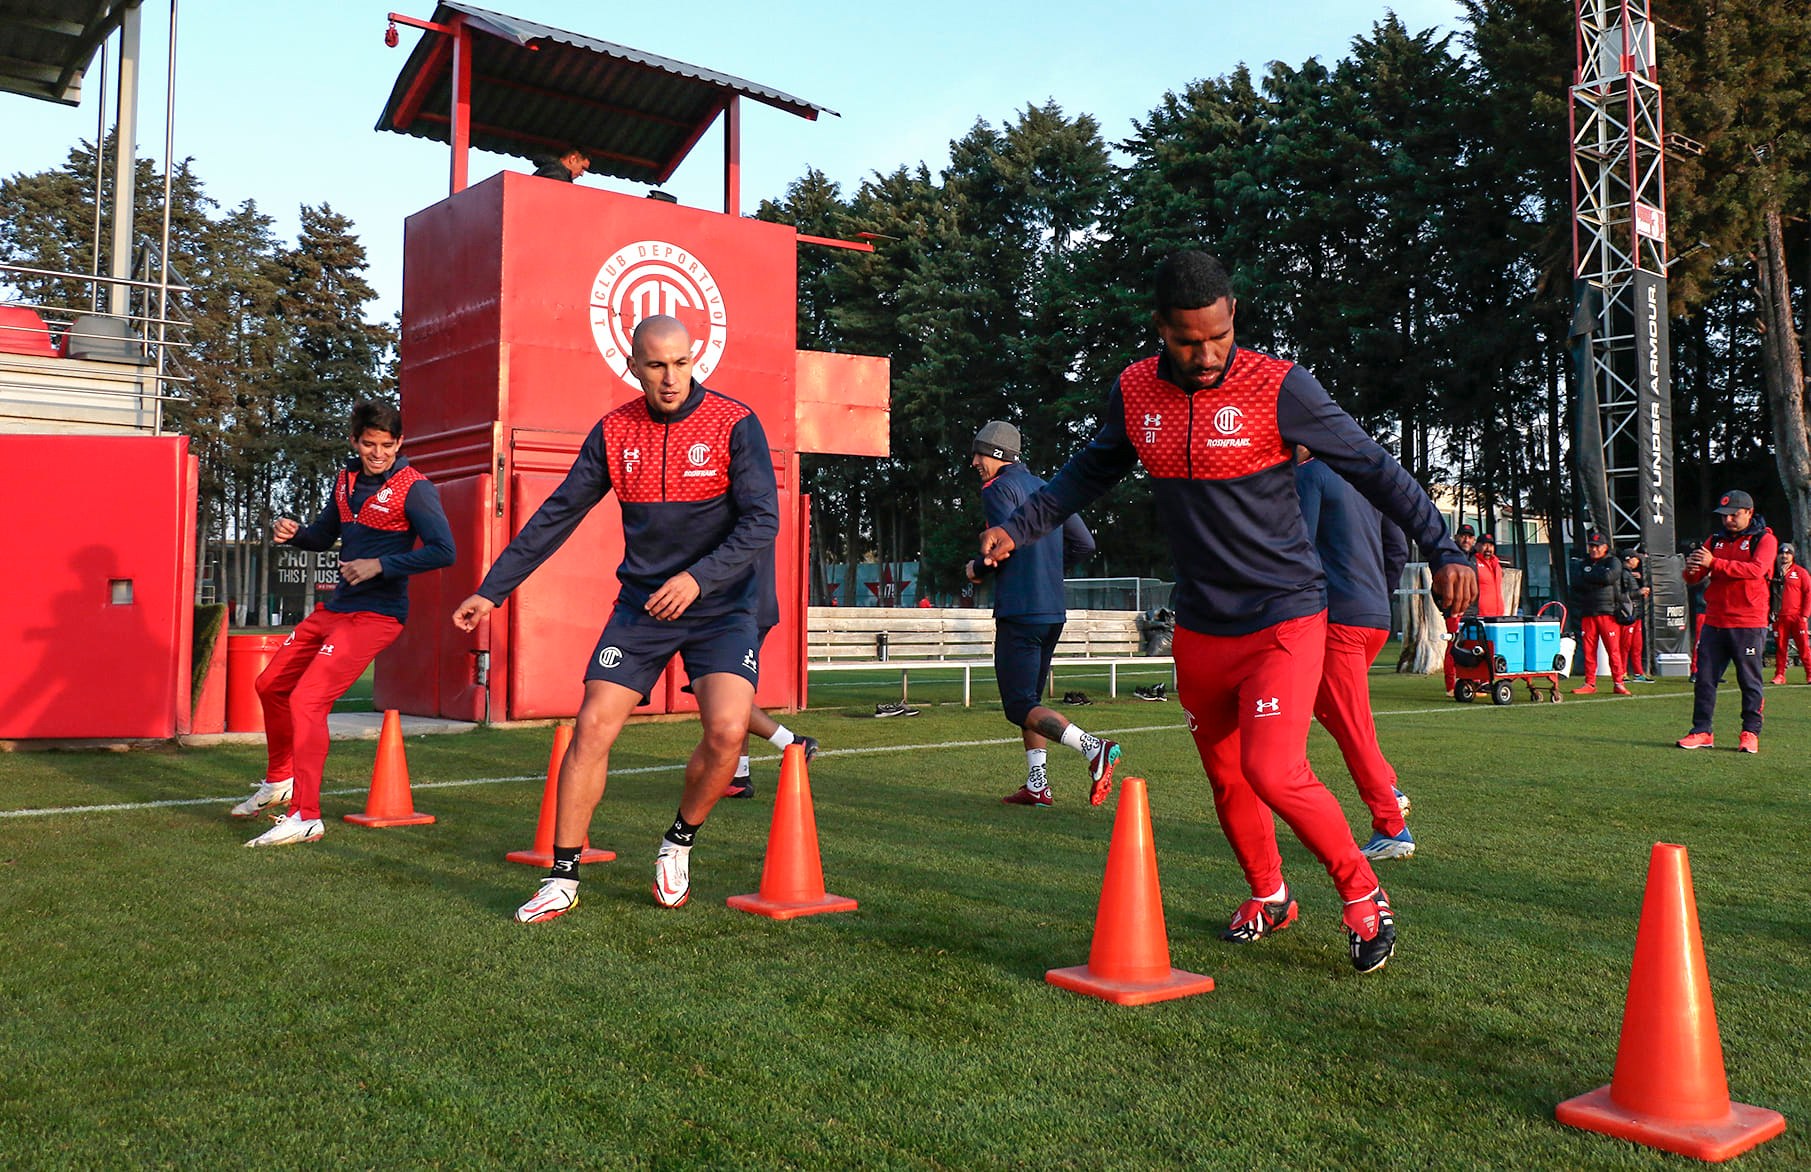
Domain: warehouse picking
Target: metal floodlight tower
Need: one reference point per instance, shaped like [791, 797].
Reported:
[1623, 443]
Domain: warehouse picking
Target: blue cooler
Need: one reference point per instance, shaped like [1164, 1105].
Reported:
[1507, 635]
[1541, 637]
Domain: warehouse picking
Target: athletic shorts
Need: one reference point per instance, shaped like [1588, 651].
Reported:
[760, 641]
[1022, 654]
[636, 647]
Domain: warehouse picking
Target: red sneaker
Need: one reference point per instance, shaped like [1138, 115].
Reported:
[1587, 690]
[1622, 690]
[1779, 679]
[1024, 796]
[1697, 741]
[1750, 743]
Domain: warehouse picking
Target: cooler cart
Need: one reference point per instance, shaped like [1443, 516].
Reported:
[1490, 655]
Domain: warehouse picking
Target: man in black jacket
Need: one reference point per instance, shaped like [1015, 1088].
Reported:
[1600, 586]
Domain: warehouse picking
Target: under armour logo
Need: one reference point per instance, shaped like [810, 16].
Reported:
[1270, 707]
[749, 661]
[1189, 718]
[1153, 419]
[631, 457]
[326, 649]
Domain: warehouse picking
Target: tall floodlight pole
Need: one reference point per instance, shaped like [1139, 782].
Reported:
[1623, 437]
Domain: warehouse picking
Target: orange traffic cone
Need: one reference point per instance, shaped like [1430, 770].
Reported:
[1669, 1090]
[792, 878]
[542, 854]
[389, 803]
[1129, 963]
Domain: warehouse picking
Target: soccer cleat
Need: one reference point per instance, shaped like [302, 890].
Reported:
[1026, 796]
[1587, 690]
[1100, 770]
[1622, 690]
[1257, 919]
[1749, 743]
[1371, 930]
[1697, 741]
[810, 746]
[289, 830]
[1389, 846]
[740, 787]
[555, 898]
[1402, 801]
[268, 794]
[1779, 679]
[1075, 698]
[672, 875]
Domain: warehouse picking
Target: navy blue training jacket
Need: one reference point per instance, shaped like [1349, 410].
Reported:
[697, 494]
[1028, 586]
[1362, 551]
[1223, 465]
[381, 517]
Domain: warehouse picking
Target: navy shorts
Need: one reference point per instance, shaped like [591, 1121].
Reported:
[1022, 654]
[636, 647]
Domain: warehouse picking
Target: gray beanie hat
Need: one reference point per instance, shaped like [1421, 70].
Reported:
[998, 439]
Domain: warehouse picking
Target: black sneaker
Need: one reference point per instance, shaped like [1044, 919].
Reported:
[1151, 692]
[1371, 915]
[888, 709]
[1257, 919]
[740, 787]
[1076, 698]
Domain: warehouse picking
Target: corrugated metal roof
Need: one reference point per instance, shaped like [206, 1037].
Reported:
[536, 89]
[46, 45]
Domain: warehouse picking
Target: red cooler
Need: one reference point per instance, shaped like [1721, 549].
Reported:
[246, 658]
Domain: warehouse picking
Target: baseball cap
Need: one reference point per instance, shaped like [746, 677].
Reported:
[1487, 535]
[1597, 538]
[1733, 500]
[1466, 531]
[1786, 547]
[998, 439]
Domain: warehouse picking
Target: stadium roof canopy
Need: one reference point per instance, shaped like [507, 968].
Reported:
[46, 45]
[536, 89]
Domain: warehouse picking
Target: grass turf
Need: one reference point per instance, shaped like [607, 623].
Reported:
[171, 998]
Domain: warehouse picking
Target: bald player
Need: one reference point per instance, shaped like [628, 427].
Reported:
[693, 474]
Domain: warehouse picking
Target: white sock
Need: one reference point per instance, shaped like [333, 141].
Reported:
[1036, 758]
[1080, 741]
[1037, 781]
[782, 737]
[742, 766]
[1277, 897]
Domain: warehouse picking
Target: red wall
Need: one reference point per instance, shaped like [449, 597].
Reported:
[84, 511]
[518, 297]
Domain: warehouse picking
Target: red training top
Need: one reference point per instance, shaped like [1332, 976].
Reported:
[1737, 594]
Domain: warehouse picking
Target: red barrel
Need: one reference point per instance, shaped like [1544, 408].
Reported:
[246, 658]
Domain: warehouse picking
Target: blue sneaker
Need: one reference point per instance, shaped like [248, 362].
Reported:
[1389, 846]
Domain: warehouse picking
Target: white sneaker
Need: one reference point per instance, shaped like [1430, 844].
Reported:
[555, 898]
[268, 793]
[672, 875]
[289, 830]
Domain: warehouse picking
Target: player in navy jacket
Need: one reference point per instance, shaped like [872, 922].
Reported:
[693, 474]
[381, 507]
[1028, 619]
[1363, 553]
[1213, 424]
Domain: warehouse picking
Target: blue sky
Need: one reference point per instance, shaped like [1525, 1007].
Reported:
[276, 102]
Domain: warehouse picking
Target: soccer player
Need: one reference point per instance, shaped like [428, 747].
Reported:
[1789, 620]
[1735, 566]
[380, 508]
[693, 474]
[1362, 553]
[1213, 424]
[1028, 619]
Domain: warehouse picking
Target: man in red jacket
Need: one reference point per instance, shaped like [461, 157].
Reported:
[1789, 621]
[1735, 566]
[1490, 577]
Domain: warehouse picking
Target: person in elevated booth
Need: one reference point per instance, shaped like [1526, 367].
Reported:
[379, 509]
[694, 532]
[566, 167]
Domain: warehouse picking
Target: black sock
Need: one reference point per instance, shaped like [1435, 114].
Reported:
[565, 863]
[682, 833]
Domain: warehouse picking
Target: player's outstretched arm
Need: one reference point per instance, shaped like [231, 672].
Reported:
[471, 611]
[1455, 587]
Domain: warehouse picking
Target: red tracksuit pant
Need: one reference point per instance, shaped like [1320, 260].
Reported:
[1450, 668]
[1634, 662]
[1791, 632]
[1343, 707]
[1601, 628]
[314, 667]
[1248, 700]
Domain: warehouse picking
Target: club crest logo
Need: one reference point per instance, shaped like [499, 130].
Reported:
[609, 657]
[1229, 420]
[652, 277]
[698, 455]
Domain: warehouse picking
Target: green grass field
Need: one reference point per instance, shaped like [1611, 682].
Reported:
[171, 998]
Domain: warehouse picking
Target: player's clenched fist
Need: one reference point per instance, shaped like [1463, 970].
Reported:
[471, 610]
[996, 545]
